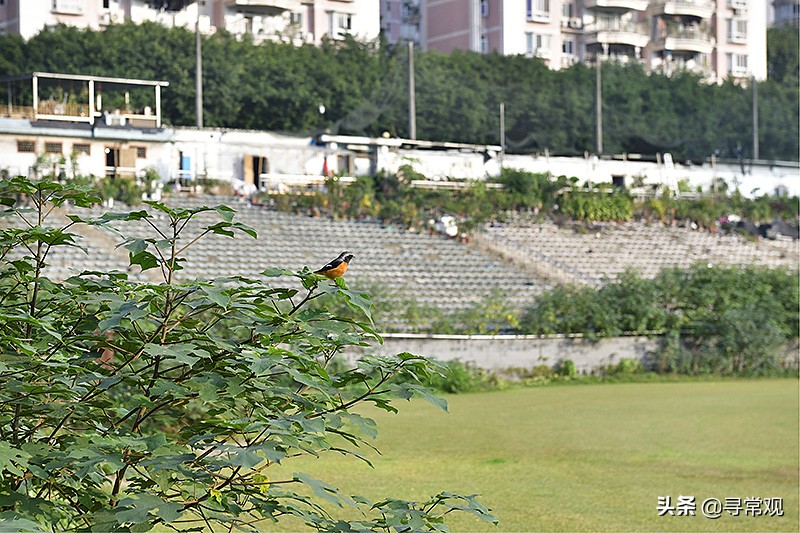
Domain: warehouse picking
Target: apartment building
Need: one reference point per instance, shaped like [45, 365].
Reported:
[295, 21]
[717, 38]
[785, 13]
[400, 21]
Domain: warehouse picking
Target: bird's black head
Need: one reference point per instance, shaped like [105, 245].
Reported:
[347, 257]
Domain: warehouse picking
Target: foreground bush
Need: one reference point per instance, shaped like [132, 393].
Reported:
[124, 406]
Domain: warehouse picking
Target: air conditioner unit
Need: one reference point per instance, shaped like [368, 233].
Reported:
[108, 17]
[738, 5]
[576, 23]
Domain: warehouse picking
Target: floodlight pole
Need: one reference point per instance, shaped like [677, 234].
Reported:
[198, 70]
[755, 118]
[599, 105]
[412, 106]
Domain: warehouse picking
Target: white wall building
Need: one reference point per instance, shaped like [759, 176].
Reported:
[41, 131]
[288, 20]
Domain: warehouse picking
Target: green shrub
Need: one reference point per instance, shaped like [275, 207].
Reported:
[127, 406]
[124, 190]
[625, 367]
[542, 371]
[459, 377]
[566, 368]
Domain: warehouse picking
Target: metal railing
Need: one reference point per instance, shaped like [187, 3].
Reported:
[17, 111]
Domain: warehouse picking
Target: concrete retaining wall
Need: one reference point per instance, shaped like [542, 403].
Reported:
[500, 353]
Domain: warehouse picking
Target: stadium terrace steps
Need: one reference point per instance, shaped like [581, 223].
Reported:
[426, 269]
[412, 267]
[605, 251]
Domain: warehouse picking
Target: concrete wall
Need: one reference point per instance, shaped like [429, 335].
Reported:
[498, 353]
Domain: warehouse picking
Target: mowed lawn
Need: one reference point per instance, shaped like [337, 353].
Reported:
[590, 457]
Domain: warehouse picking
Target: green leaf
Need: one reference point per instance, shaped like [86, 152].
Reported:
[423, 392]
[135, 246]
[17, 524]
[144, 259]
[245, 229]
[324, 490]
[358, 301]
[276, 272]
[130, 310]
[225, 212]
[13, 459]
[217, 295]
[137, 510]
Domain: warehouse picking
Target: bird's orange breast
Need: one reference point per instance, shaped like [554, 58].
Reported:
[336, 271]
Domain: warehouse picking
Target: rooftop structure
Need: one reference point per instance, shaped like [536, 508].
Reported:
[78, 98]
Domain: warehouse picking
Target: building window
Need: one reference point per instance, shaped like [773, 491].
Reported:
[484, 44]
[53, 148]
[737, 30]
[568, 10]
[737, 65]
[537, 44]
[26, 147]
[141, 152]
[340, 24]
[537, 9]
[296, 18]
[106, 4]
[484, 8]
[81, 148]
[568, 47]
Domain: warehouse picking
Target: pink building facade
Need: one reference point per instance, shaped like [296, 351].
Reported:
[717, 38]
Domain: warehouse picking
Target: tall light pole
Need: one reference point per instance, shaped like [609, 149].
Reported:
[502, 127]
[198, 82]
[412, 106]
[598, 94]
[755, 118]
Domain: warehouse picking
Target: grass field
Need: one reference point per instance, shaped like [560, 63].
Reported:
[593, 457]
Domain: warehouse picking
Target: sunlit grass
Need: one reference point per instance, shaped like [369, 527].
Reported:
[590, 458]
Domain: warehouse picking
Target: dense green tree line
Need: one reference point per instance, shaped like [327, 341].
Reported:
[276, 86]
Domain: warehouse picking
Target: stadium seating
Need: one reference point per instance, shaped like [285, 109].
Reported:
[415, 267]
[591, 254]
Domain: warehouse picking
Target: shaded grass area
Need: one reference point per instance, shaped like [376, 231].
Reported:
[590, 458]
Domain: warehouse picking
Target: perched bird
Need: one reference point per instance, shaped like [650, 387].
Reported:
[337, 267]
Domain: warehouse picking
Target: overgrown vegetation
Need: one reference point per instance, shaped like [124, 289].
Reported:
[125, 406]
[279, 87]
[393, 199]
[715, 320]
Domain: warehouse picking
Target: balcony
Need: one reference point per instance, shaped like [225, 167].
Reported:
[737, 38]
[738, 72]
[567, 60]
[697, 64]
[267, 8]
[574, 23]
[688, 8]
[691, 39]
[617, 32]
[616, 5]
